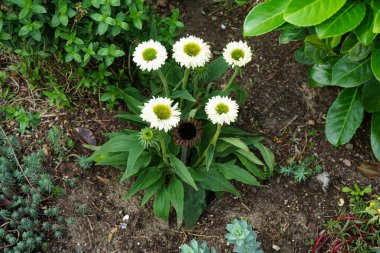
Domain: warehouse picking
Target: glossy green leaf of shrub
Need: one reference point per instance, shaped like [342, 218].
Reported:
[375, 59]
[344, 117]
[376, 25]
[375, 134]
[348, 18]
[311, 12]
[364, 32]
[346, 73]
[265, 17]
[371, 95]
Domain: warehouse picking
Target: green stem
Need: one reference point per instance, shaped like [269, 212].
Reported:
[231, 79]
[163, 148]
[213, 142]
[164, 82]
[184, 84]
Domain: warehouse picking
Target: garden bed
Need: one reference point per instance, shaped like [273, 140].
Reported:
[281, 107]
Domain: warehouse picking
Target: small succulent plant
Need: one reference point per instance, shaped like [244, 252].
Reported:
[243, 237]
[194, 247]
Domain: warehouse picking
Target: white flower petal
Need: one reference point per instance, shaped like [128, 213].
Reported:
[224, 118]
[148, 115]
[243, 46]
[155, 64]
[187, 61]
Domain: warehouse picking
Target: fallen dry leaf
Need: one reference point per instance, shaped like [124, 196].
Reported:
[369, 170]
[87, 135]
[104, 180]
[111, 233]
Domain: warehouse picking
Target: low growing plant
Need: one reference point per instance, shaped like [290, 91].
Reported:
[240, 234]
[303, 170]
[187, 150]
[24, 185]
[342, 48]
[352, 229]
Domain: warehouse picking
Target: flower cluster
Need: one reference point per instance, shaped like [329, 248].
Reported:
[161, 114]
[189, 52]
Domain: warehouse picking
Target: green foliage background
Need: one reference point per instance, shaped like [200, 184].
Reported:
[342, 48]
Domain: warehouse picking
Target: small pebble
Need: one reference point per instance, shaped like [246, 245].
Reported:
[223, 27]
[275, 247]
[349, 146]
[310, 122]
[347, 162]
[341, 202]
[213, 18]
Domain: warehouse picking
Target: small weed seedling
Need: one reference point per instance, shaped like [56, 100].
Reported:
[302, 171]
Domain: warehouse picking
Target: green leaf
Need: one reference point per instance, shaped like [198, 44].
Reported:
[235, 142]
[311, 12]
[64, 20]
[364, 30]
[347, 19]
[209, 155]
[36, 8]
[250, 156]
[182, 171]
[176, 196]
[344, 117]
[321, 73]
[375, 134]
[135, 152]
[137, 23]
[161, 204]
[5, 36]
[102, 28]
[97, 17]
[371, 96]
[216, 69]
[347, 73]
[376, 24]
[195, 204]
[375, 59]
[359, 52]
[265, 17]
[121, 143]
[214, 181]
[348, 43]
[266, 154]
[145, 179]
[151, 190]
[23, 13]
[293, 34]
[231, 171]
[184, 94]
[23, 31]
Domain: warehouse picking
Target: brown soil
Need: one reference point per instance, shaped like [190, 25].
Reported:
[281, 107]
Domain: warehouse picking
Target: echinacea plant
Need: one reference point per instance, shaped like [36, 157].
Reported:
[185, 147]
[194, 247]
[243, 237]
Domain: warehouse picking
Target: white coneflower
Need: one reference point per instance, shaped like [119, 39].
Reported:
[237, 53]
[160, 113]
[150, 55]
[222, 110]
[191, 52]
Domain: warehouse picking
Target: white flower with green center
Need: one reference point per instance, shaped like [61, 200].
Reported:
[191, 52]
[237, 54]
[222, 110]
[160, 113]
[150, 55]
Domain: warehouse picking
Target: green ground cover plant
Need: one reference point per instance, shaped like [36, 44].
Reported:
[24, 185]
[341, 47]
[240, 234]
[353, 228]
[185, 148]
[90, 39]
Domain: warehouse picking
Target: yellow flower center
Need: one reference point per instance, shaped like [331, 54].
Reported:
[237, 54]
[192, 49]
[149, 54]
[163, 112]
[222, 108]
